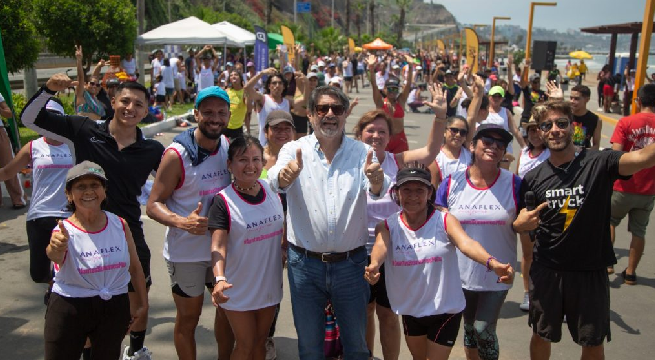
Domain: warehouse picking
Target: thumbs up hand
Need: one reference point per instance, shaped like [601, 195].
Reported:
[59, 239]
[373, 170]
[290, 173]
[194, 223]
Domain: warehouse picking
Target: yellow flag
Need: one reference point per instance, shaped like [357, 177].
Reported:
[288, 40]
[472, 49]
[351, 45]
[440, 45]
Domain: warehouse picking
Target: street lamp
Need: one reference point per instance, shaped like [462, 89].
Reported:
[493, 33]
[529, 38]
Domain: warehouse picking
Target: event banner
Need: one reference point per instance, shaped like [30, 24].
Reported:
[261, 49]
[288, 40]
[440, 45]
[472, 49]
[351, 45]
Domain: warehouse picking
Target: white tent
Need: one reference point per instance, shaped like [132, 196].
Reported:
[189, 31]
[236, 33]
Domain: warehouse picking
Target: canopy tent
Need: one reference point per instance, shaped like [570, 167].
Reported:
[189, 31]
[274, 40]
[236, 33]
[377, 44]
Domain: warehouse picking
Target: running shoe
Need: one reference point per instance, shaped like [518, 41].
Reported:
[143, 354]
[525, 305]
[629, 279]
[270, 349]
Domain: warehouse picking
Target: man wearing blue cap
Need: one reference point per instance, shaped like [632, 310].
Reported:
[193, 170]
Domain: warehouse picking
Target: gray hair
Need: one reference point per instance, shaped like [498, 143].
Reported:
[330, 91]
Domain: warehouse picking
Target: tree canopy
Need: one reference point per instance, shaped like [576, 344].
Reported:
[18, 34]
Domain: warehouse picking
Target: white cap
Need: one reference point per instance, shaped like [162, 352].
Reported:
[395, 66]
[335, 80]
[321, 63]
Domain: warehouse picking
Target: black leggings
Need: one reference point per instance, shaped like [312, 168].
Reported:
[38, 237]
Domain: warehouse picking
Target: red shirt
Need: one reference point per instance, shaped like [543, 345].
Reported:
[636, 132]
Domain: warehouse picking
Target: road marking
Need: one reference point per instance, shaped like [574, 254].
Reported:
[606, 118]
[604, 136]
[412, 141]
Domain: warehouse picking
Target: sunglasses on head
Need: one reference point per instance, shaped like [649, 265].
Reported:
[562, 123]
[337, 109]
[487, 141]
[459, 131]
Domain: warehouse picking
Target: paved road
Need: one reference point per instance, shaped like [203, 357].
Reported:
[22, 310]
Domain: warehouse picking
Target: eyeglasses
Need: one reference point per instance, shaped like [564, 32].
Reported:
[459, 131]
[93, 83]
[276, 82]
[497, 96]
[562, 123]
[337, 109]
[487, 141]
[393, 89]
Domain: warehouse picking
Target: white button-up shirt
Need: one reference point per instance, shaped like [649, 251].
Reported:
[326, 204]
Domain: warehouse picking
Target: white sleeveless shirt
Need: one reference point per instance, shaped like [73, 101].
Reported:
[254, 259]
[379, 210]
[50, 164]
[486, 215]
[421, 268]
[205, 78]
[500, 119]
[527, 162]
[448, 166]
[269, 105]
[199, 184]
[96, 264]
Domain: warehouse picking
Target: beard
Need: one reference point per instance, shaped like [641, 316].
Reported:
[562, 145]
[209, 134]
[328, 133]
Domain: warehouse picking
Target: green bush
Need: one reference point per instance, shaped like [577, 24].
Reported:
[20, 101]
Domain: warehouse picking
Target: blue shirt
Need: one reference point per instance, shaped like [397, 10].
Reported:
[326, 204]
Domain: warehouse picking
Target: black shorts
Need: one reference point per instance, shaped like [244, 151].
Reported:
[441, 329]
[582, 296]
[348, 78]
[145, 265]
[160, 98]
[300, 123]
[379, 290]
[39, 231]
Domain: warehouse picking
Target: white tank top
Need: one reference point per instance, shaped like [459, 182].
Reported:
[199, 184]
[421, 268]
[96, 264]
[499, 119]
[254, 262]
[448, 166]
[486, 215]
[527, 162]
[269, 105]
[50, 165]
[205, 78]
[379, 210]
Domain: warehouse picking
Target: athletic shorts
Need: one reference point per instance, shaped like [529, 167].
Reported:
[39, 231]
[441, 329]
[176, 84]
[348, 78]
[145, 265]
[359, 72]
[379, 290]
[169, 91]
[188, 279]
[608, 90]
[582, 296]
[637, 207]
[300, 123]
[160, 98]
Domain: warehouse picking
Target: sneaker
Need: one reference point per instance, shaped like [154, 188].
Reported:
[126, 352]
[270, 349]
[143, 354]
[629, 279]
[525, 305]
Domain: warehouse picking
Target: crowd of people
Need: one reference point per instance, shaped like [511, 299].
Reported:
[364, 223]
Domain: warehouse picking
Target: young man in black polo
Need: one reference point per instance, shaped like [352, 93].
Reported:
[120, 148]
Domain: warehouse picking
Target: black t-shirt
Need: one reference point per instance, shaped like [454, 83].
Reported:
[584, 128]
[305, 65]
[508, 102]
[106, 102]
[574, 234]
[530, 98]
[450, 94]
[127, 169]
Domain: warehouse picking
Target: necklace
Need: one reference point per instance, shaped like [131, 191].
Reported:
[566, 169]
[245, 190]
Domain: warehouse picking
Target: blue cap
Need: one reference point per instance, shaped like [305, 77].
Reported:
[212, 91]
[287, 69]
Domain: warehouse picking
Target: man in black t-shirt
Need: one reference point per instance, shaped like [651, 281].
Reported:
[532, 94]
[572, 249]
[451, 89]
[586, 125]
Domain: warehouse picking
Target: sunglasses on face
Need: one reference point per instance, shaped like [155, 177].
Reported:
[459, 131]
[562, 124]
[337, 110]
[393, 89]
[487, 141]
[93, 83]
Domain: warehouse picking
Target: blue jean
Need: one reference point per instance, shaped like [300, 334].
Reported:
[480, 320]
[312, 283]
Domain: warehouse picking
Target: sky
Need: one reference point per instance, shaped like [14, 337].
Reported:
[568, 14]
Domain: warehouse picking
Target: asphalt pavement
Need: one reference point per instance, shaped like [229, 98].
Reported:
[22, 310]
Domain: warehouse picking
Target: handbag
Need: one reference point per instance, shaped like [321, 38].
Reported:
[332, 346]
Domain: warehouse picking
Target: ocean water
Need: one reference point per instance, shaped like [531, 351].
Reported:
[598, 61]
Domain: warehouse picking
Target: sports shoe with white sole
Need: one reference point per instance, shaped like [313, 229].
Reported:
[270, 349]
[143, 354]
[525, 305]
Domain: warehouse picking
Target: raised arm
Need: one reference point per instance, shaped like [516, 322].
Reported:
[377, 97]
[22, 159]
[514, 129]
[510, 82]
[461, 81]
[379, 252]
[98, 69]
[474, 108]
[633, 161]
[525, 72]
[402, 99]
[79, 89]
[249, 89]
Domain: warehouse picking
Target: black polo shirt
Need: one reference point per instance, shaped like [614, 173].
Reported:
[127, 169]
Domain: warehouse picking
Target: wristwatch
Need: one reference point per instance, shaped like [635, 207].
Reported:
[218, 279]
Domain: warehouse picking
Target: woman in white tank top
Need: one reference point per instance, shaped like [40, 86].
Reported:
[419, 246]
[374, 129]
[501, 116]
[453, 155]
[95, 259]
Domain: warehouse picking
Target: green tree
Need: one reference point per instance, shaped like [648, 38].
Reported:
[360, 8]
[403, 5]
[102, 27]
[330, 39]
[519, 55]
[211, 16]
[18, 34]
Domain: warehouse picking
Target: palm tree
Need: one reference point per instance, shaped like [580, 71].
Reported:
[269, 12]
[330, 39]
[360, 7]
[347, 17]
[371, 18]
[403, 5]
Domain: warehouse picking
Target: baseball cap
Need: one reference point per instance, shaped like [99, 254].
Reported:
[212, 91]
[534, 77]
[312, 75]
[250, 63]
[314, 68]
[229, 63]
[332, 65]
[287, 69]
[497, 90]
[335, 80]
[449, 72]
[321, 63]
[419, 67]
[391, 83]
[485, 129]
[395, 66]
[279, 116]
[493, 77]
[113, 82]
[86, 167]
[413, 174]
